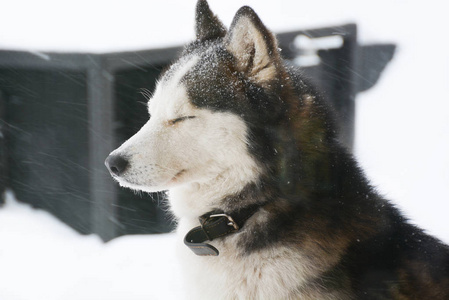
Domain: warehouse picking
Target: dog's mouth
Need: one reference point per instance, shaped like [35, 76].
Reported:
[126, 182]
[139, 186]
[130, 181]
[177, 176]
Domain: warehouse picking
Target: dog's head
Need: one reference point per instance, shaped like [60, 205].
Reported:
[206, 108]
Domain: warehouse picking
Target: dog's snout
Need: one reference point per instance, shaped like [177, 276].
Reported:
[116, 164]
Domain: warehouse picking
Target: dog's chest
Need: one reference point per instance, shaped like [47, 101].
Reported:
[267, 274]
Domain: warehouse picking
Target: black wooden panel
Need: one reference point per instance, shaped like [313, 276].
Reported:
[47, 142]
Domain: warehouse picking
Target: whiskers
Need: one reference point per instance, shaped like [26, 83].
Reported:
[146, 93]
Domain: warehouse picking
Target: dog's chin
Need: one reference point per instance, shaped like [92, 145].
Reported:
[153, 186]
[144, 187]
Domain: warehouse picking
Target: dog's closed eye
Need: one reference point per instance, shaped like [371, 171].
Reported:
[174, 121]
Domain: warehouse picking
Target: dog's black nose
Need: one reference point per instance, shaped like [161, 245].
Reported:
[116, 164]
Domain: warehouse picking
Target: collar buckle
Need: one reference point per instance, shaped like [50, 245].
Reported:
[230, 219]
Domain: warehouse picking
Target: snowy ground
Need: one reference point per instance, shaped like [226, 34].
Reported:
[43, 259]
[402, 137]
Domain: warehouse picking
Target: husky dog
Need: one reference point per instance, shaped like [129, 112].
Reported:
[269, 204]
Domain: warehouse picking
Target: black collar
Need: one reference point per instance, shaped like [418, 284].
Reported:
[215, 224]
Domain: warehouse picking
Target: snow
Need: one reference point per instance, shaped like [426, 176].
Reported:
[42, 258]
[402, 130]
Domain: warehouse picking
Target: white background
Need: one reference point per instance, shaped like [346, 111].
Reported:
[402, 129]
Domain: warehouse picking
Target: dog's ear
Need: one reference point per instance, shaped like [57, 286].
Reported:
[207, 25]
[253, 45]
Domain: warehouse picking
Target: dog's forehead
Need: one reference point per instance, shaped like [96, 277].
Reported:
[179, 69]
[170, 92]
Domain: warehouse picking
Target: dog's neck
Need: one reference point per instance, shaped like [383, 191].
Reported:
[195, 199]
